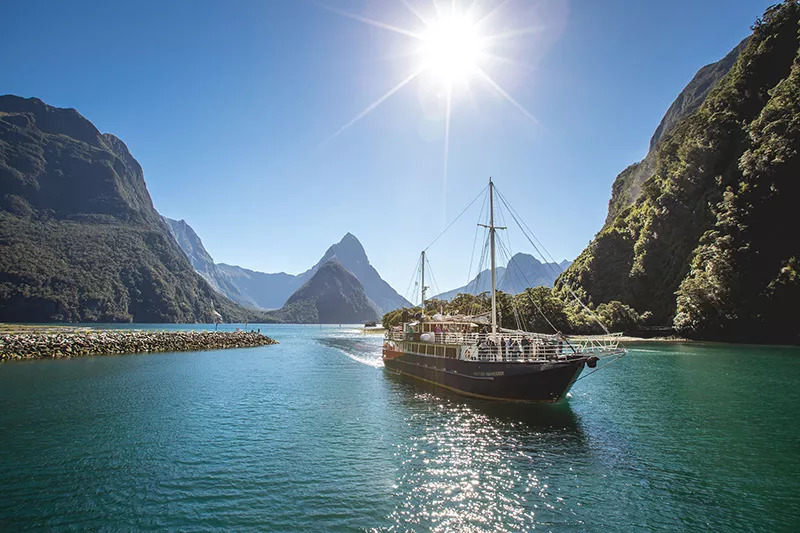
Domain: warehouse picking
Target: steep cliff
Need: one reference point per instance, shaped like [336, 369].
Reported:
[710, 244]
[628, 185]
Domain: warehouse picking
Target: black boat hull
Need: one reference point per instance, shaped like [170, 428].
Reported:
[547, 381]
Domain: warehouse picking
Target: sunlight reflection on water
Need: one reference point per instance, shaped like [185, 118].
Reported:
[313, 435]
[474, 467]
[479, 466]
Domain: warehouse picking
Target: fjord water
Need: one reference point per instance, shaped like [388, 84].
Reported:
[313, 435]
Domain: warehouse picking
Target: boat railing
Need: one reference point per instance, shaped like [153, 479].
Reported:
[522, 347]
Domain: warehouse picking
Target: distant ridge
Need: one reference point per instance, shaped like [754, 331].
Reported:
[522, 271]
[271, 291]
[332, 295]
[202, 263]
[243, 286]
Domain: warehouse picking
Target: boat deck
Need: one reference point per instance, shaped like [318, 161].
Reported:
[505, 347]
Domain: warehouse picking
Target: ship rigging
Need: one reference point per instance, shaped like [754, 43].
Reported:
[474, 355]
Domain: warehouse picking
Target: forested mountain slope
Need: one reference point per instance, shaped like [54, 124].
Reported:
[628, 185]
[711, 244]
[79, 237]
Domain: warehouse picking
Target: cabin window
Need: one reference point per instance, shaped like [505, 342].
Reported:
[450, 352]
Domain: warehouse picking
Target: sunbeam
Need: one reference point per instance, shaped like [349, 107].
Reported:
[507, 96]
[446, 151]
[372, 22]
[489, 14]
[376, 103]
[414, 11]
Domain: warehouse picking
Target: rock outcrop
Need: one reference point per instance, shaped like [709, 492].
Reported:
[628, 185]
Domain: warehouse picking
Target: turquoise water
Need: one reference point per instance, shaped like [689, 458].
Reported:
[312, 435]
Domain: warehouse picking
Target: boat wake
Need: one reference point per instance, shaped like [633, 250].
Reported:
[364, 349]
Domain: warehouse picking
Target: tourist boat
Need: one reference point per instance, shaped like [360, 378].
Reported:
[472, 356]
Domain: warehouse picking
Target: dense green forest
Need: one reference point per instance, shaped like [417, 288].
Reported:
[628, 184]
[711, 243]
[536, 309]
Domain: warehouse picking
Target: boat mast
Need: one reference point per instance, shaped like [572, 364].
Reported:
[492, 228]
[423, 283]
[491, 240]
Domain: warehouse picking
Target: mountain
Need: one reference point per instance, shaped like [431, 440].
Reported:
[245, 287]
[522, 271]
[332, 295]
[479, 284]
[203, 264]
[628, 184]
[270, 291]
[79, 237]
[710, 245]
[352, 256]
[267, 291]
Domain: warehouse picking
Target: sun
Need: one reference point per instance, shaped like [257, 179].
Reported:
[451, 47]
[452, 44]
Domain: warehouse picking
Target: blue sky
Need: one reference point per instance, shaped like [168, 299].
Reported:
[230, 108]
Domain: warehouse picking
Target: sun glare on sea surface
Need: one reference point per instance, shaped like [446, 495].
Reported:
[451, 48]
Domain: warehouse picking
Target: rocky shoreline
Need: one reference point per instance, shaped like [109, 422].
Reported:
[33, 345]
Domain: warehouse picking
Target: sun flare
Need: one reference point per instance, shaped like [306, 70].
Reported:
[451, 48]
[452, 44]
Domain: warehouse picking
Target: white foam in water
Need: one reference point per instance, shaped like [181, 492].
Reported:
[375, 360]
[361, 348]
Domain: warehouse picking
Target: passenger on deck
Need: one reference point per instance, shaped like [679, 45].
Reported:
[518, 348]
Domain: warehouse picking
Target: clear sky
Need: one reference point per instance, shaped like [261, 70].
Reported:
[233, 108]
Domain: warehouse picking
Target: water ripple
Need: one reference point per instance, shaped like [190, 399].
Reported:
[311, 435]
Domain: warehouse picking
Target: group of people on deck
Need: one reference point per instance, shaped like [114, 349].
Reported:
[505, 347]
[517, 348]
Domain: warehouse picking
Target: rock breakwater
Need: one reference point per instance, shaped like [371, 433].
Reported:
[31, 345]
